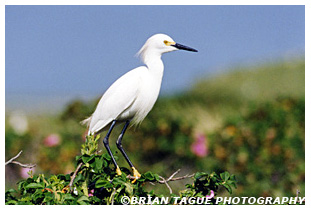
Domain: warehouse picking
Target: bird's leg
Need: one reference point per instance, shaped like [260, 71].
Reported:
[106, 144]
[119, 145]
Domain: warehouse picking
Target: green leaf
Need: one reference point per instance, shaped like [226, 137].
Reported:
[83, 200]
[49, 198]
[225, 175]
[105, 163]
[20, 185]
[37, 195]
[78, 178]
[214, 179]
[34, 185]
[157, 177]
[11, 191]
[11, 202]
[148, 175]
[199, 175]
[228, 188]
[107, 157]
[87, 159]
[99, 164]
[78, 157]
[68, 197]
[234, 184]
[103, 183]
[118, 181]
[84, 188]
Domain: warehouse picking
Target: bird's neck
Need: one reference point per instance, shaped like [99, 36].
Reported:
[153, 59]
[155, 65]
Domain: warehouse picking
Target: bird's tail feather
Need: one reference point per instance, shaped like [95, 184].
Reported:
[87, 121]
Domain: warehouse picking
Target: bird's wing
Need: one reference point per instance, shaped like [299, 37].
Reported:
[119, 96]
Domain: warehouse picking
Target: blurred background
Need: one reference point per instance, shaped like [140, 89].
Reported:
[237, 105]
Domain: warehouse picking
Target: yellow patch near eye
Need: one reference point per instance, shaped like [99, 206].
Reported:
[168, 43]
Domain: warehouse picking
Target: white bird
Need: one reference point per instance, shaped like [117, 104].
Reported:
[132, 96]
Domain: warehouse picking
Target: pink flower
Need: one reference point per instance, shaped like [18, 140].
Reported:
[211, 195]
[91, 192]
[199, 147]
[24, 172]
[52, 140]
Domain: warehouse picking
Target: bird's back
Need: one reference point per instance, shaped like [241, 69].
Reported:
[116, 101]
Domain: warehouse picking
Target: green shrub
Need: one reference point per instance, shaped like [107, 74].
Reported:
[97, 183]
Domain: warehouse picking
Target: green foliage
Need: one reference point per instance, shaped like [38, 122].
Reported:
[90, 146]
[265, 148]
[205, 182]
[252, 123]
[97, 183]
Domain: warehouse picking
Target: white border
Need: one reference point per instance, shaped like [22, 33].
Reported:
[307, 4]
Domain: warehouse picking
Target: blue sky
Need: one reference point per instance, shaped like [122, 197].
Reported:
[75, 51]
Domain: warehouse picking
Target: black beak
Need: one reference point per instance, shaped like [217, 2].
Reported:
[183, 47]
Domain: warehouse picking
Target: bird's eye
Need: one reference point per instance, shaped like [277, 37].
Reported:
[167, 43]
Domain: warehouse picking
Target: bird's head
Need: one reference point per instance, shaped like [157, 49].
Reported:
[158, 44]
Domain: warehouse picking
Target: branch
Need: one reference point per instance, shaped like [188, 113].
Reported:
[165, 181]
[12, 160]
[170, 179]
[74, 176]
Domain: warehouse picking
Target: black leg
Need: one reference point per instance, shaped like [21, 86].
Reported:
[119, 145]
[106, 144]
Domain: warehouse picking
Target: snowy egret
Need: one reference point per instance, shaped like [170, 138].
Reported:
[132, 96]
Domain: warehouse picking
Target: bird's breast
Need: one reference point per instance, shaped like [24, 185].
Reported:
[147, 95]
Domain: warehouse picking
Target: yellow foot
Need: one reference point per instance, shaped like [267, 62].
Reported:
[118, 171]
[136, 174]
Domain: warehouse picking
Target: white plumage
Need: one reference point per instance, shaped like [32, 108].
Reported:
[133, 95]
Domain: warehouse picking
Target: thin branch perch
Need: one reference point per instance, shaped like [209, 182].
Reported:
[12, 160]
[170, 179]
[165, 181]
[167, 185]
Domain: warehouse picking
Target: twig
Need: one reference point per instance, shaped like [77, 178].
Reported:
[165, 181]
[176, 172]
[24, 165]
[112, 195]
[74, 176]
[177, 178]
[170, 179]
[167, 185]
[12, 160]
